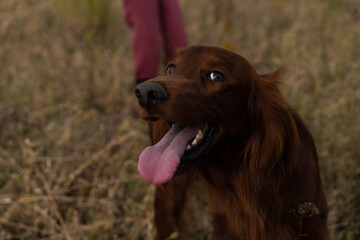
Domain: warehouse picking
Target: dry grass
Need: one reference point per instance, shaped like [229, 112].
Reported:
[70, 135]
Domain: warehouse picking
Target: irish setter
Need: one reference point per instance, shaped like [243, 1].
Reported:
[215, 121]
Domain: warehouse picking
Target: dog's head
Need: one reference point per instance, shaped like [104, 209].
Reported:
[206, 96]
[201, 85]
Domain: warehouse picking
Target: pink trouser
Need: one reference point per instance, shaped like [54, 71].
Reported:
[153, 23]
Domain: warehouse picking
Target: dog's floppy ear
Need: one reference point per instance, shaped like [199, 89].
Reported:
[271, 124]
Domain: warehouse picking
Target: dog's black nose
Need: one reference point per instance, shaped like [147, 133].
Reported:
[149, 94]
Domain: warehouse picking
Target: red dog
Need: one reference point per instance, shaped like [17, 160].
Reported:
[215, 120]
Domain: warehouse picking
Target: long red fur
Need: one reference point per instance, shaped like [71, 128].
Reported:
[262, 165]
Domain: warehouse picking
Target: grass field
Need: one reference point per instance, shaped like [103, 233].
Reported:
[69, 130]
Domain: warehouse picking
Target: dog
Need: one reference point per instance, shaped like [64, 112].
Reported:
[215, 121]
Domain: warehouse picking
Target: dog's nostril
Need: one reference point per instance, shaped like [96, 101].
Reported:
[153, 95]
[138, 94]
[139, 97]
[151, 99]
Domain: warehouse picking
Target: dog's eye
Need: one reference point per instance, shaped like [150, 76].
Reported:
[215, 76]
[170, 68]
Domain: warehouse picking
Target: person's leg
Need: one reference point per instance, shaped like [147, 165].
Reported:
[143, 18]
[173, 27]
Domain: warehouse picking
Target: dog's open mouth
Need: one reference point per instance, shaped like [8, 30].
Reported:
[175, 152]
[197, 145]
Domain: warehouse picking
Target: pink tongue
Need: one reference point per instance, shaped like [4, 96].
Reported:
[158, 163]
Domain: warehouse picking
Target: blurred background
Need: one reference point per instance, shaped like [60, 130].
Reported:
[70, 135]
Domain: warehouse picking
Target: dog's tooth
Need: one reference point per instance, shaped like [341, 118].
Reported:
[194, 142]
[200, 135]
[188, 147]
